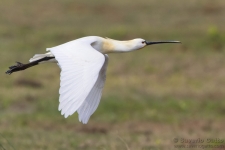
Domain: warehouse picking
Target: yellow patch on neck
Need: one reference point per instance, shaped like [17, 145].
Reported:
[107, 46]
[110, 45]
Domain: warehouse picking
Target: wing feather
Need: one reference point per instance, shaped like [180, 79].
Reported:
[92, 101]
[80, 66]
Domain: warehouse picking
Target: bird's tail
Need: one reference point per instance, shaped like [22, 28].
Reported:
[40, 56]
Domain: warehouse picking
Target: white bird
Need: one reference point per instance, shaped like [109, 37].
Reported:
[83, 64]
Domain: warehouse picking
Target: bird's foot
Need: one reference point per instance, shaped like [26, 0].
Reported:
[19, 66]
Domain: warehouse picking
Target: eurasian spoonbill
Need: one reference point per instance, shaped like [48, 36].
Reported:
[83, 64]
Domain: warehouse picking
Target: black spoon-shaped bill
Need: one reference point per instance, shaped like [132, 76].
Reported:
[161, 42]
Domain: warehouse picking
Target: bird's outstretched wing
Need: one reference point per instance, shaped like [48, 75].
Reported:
[92, 101]
[80, 65]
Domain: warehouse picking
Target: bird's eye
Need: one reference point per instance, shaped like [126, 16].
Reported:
[143, 42]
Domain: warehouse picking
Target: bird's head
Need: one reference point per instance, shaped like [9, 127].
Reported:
[140, 43]
[113, 46]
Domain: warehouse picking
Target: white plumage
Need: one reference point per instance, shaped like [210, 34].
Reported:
[83, 64]
[82, 77]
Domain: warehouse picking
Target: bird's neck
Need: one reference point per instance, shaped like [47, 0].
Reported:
[114, 46]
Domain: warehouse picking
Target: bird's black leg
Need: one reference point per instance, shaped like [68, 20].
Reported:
[20, 66]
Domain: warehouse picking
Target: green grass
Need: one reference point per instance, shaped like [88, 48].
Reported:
[151, 96]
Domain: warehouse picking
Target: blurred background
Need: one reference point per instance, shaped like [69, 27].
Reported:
[150, 97]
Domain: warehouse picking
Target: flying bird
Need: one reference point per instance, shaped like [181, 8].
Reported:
[83, 64]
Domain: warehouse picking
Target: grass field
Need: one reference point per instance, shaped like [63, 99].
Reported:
[151, 96]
